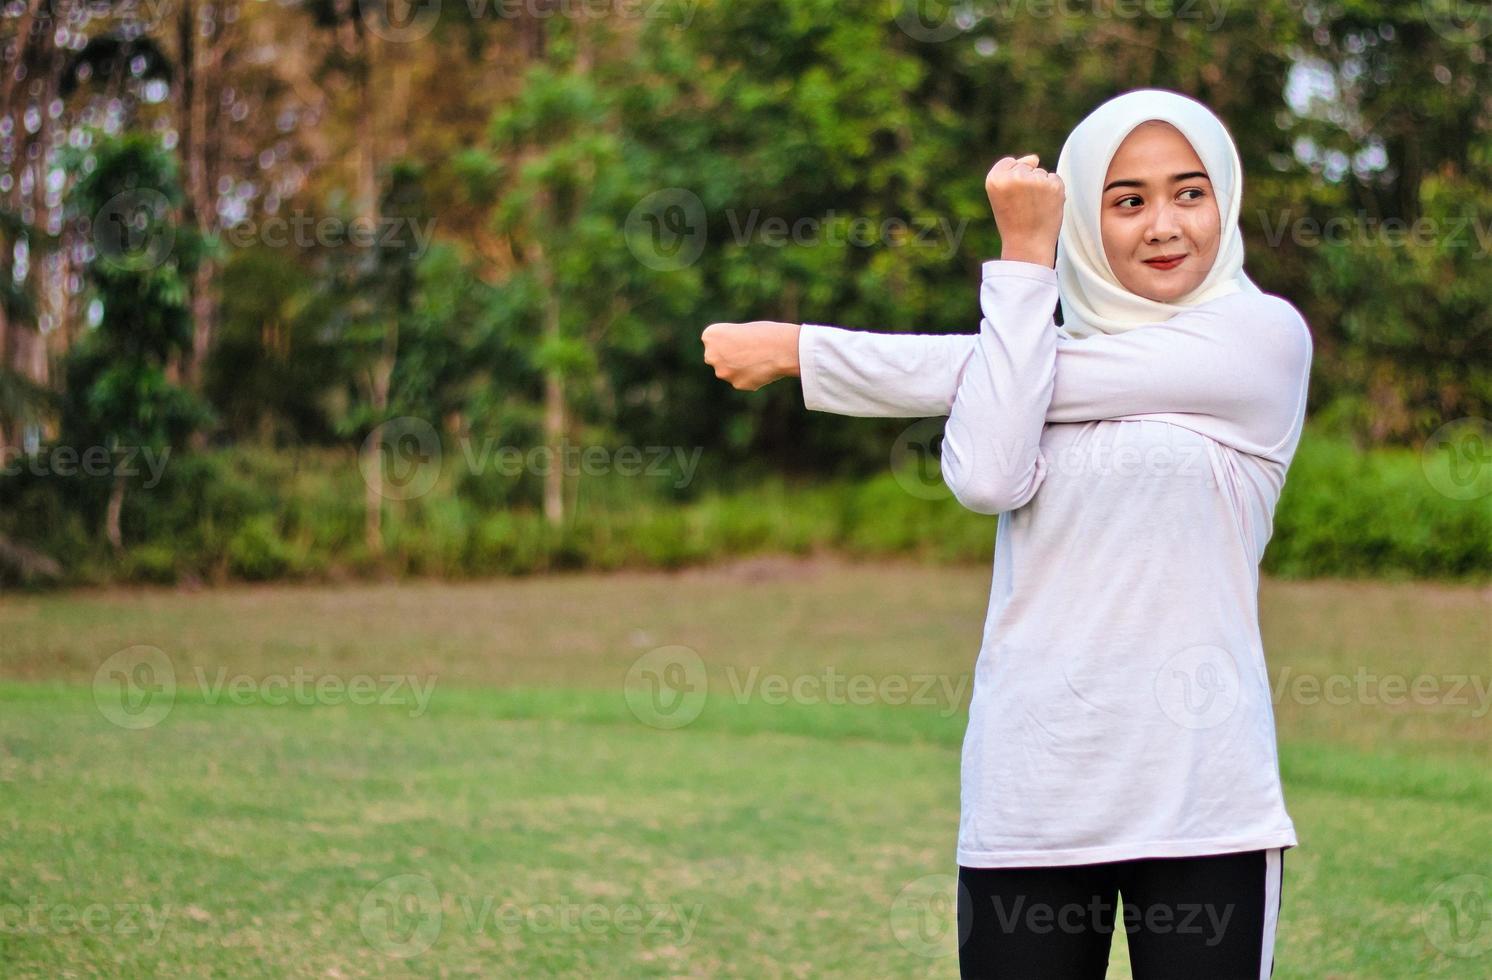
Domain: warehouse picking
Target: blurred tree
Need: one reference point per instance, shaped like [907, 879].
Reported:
[1385, 226]
[274, 361]
[604, 186]
[562, 181]
[368, 293]
[31, 62]
[23, 399]
[118, 396]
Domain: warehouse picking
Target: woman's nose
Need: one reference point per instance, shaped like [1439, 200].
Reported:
[1163, 226]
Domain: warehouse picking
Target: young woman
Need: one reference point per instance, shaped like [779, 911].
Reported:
[1121, 735]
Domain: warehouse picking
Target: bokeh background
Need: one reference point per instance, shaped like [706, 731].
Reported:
[390, 588]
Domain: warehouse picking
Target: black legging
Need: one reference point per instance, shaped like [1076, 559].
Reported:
[1185, 918]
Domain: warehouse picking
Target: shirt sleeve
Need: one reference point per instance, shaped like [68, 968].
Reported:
[1235, 370]
[991, 458]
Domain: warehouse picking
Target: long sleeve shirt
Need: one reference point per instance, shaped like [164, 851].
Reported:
[1121, 705]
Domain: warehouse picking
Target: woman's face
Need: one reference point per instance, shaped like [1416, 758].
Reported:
[1158, 203]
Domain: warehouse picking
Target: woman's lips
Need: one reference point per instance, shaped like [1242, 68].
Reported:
[1170, 263]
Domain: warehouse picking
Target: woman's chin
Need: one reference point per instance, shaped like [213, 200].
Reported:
[1164, 292]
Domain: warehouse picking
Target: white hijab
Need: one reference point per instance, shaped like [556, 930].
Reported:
[1093, 301]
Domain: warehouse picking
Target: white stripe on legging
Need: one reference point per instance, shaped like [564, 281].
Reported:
[1273, 867]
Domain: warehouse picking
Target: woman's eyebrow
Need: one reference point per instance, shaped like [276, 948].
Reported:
[1141, 183]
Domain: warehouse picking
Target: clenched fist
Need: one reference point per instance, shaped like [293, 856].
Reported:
[1027, 202]
[750, 355]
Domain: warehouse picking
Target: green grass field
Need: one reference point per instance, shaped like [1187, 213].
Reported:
[504, 812]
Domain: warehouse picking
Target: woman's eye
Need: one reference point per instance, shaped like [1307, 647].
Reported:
[1197, 191]
[1123, 200]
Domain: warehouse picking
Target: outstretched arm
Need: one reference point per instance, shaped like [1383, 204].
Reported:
[881, 375]
[1235, 369]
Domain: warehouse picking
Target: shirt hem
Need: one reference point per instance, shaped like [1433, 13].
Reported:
[1123, 852]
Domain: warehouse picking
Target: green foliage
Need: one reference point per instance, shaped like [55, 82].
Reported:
[259, 514]
[1353, 514]
[702, 144]
[272, 367]
[256, 553]
[153, 563]
[1399, 372]
[795, 161]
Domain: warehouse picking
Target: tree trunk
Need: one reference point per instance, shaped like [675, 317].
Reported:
[201, 60]
[380, 372]
[111, 517]
[554, 391]
[373, 495]
[30, 53]
[554, 430]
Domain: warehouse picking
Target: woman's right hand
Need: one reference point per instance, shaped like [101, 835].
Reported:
[750, 355]
[1027, 202]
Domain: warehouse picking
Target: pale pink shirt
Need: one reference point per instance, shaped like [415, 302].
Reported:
[1121, 706]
